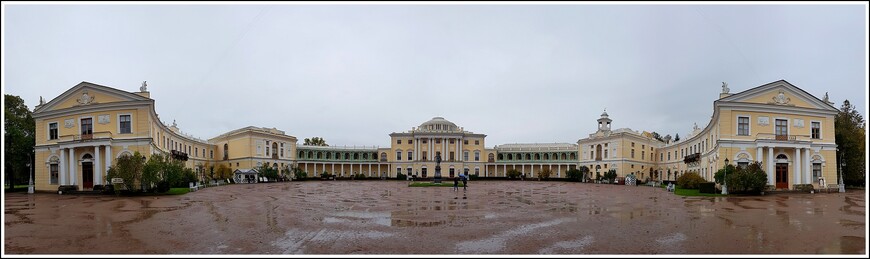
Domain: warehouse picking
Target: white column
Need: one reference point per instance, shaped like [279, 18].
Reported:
[459, 153]
[416, 149]
[98, 176]
[72, 166]
[770, 175]
[559, 171]
[370, 169]
[431, 155]
[315, 169]
[759, 155]
[808, 169]
[504, 172]
[63, 165]
[797, 166]
[109, 156]
[444, 149]
[333, 169]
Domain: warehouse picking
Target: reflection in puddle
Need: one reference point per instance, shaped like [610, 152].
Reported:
[845, 245]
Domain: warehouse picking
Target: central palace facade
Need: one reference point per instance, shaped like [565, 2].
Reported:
[83, 130]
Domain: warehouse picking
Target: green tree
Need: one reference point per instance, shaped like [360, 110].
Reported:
[574, 175]
[223, 172]
[315, 141]
[719, 177]
[513, 173]
[610, 175]
[130, 169]
[545, 173]
[19, 139]
[751, 179]
[268, 171]
[690, 180]
[299, 174]
[850, 135]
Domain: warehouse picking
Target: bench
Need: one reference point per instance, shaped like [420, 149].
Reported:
[193, 188]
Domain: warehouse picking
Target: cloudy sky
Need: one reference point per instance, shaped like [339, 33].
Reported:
[355, 73]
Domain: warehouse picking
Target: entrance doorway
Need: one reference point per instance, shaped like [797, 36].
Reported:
[87, 175]
[782, 176]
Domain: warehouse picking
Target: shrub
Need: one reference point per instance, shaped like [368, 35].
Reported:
[401, 176]
[473, 177]
[707, 187]
[299, 174]
[610, 175]
[544, 174]
[573, 175]
[690, 180]
[513, 173]
[751, 179]
[804, 187]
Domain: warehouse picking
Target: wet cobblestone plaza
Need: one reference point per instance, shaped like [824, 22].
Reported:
[387, 217]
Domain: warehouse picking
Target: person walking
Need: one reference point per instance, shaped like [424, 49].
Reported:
[455, 184]
[464, 181]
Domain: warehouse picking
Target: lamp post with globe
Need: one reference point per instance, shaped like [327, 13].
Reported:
[725, 178]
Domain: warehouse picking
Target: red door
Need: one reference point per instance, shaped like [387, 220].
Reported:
[87, 175]
[782, 176]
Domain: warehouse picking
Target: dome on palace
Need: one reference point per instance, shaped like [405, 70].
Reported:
[438, 123]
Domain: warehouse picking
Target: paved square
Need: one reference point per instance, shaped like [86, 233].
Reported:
[387, 217]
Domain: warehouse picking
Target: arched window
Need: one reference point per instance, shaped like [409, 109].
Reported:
[355, 156]
[573, 156]
[87, 157]
[226, 151]
[500, 157]
[510, 157]
[328, 155]
[528, 156]
[598, 152]
[537, 156]
[564, 157]
[546, 156]
[274, 150]
[301, 155]
[492, 157]
[383, 156]
[310, 154]
[319, 155]
[365, 155]
[346, 156]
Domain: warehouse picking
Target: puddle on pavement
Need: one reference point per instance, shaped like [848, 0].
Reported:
[845, 245]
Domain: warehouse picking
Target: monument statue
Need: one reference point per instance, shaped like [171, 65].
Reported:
[437, 177]
[42, 101]
[144, 87]
[725, 88]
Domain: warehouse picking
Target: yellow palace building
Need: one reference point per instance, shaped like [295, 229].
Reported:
[83, 130]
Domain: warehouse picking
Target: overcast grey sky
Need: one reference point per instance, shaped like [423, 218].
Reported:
[355, 73]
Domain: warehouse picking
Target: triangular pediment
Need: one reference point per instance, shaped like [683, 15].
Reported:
[85, 94]
[780, 93]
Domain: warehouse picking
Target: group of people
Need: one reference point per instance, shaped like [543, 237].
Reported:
[456, 180]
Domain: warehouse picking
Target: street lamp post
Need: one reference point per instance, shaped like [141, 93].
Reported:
[840, 184]
[725, 178]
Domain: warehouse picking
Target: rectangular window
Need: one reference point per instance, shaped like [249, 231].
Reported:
[477, 142]
[669, 155]
[52, 130]
[425, 141]
[197, 151]
[465, 156]
[642, 146]
[817, 172]
[125, 124]
[87, 126]
[398, 170]
[437, 141]
[465, 142]
[451, 141]
[632, 144]
[425, 155]
[743, 126]
[642, 156]
[632, 153]
[451, 155]
[398, 155]
[781, 128]
[816, 129]
[410, 141]
[398, 141]
[53, 170]
[410, 155]
[211, 154]
[476, 156]
[282, 152]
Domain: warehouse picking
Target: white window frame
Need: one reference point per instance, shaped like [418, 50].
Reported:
[48, 130]
[811, 129]
[476, 155]
[737, 125]
[119, 122]
[92, 123]
[399, 155]
[787, 125]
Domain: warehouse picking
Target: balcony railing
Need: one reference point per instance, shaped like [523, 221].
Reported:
[691, 158]
[780, 137]
[85, 137]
